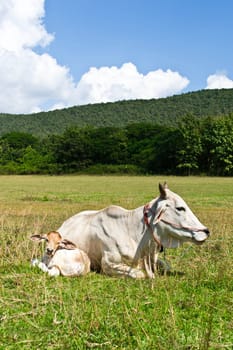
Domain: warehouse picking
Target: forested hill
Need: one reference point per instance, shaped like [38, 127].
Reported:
[165, 111]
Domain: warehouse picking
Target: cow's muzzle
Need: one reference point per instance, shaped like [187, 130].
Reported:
[200, 236]
[207, 232]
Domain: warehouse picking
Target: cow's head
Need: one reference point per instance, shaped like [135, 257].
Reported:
[173, 221]
[54, 242]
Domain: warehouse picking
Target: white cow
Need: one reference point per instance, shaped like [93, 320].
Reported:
[124, 242]
[61, 257]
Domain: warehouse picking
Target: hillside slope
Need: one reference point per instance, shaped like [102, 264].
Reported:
[161, 111]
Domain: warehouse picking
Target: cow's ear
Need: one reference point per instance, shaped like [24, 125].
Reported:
[162, 190]
[66, 244]
[37, 238]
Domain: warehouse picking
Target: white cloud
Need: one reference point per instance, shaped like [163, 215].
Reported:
[112, 84]
[28, 80]
[21, 24]
[219, 81]
[31, 82]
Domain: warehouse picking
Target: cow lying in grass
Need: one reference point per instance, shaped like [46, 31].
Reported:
[61, 257]
[121, 242]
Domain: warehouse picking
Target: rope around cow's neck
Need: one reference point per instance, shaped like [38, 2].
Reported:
[146, 220]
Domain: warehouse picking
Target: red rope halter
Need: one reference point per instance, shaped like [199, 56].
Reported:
[146, 220]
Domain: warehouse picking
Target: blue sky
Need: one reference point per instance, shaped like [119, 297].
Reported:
[193, 37]
[75, 52]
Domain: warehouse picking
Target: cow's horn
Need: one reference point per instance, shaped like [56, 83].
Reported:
[162, 190]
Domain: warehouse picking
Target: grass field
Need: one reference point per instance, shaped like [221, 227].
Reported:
[190, 309]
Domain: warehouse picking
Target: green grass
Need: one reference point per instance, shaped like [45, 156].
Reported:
[190, 309]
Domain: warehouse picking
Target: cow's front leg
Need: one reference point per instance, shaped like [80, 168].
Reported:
[112, 265]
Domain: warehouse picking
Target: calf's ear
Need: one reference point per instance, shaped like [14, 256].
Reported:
[66, 244]
[37, 238]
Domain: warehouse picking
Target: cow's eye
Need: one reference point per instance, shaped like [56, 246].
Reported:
[180, 208]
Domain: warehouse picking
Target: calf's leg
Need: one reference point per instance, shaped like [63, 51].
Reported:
[52, 271]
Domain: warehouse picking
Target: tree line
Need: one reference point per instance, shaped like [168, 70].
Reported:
[162, 111]
[194, 146]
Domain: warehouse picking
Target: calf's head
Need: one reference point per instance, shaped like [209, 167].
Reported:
[54, 242]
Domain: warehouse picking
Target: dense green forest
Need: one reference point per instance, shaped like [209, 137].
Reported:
[194, 146]
[164, 111]
[186, 134]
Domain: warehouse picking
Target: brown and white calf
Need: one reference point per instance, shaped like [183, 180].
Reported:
[61, 257]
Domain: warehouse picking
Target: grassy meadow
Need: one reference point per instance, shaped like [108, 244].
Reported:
[189, 309]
